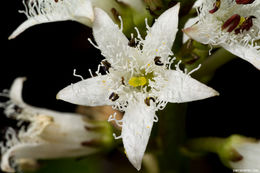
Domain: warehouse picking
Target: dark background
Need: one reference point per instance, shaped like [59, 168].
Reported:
[47, 54]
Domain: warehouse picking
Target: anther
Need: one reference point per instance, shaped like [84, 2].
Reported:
[216, 6]
[91, 143]
[106, 65]
[246, 25]
[123, 80]
[157, 61]
[147, 100]
[244, 1]
[132, 43]
[18, 109]
[232, 23]
[115, 13]
[113, 96]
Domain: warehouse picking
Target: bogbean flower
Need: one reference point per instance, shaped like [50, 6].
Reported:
[44, 11]
[138, 79]
[232, 24]
[46, 134]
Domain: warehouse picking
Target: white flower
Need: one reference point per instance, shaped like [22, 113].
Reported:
[250, 160]
[48, 134]
[138, 80]
[232, 25]
[44, 11]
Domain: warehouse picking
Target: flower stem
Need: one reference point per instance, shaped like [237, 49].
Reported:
[205, 145]
[212, 63]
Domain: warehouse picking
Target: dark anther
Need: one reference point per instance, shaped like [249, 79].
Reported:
[132, 43]
[216, 6]
[115, 13]
[123, 80]
[106, 65]
[246, 25]
[157, 61]
[113, 96]
[244, 1]
[56, 0]
[18, 109]
[232, 23]
[91, 143]
[147, 100]
[236, 157]
[94, 128]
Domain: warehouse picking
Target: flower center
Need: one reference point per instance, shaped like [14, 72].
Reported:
[238, 23]
[137, 81]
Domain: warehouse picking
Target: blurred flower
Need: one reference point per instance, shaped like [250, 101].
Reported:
[234, 25]
[250, 161]
[46, 134]
[139, 80]
[44, 11]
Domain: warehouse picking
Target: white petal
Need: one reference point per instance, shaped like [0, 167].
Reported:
[42, 150]
[89, 92]
[16, 90]
[183, 88]
[188, 24]
[110, 39]
[199, 32]
[44, 11]
[249, 54]
[160, 38]
[137, 126]
[251, 157]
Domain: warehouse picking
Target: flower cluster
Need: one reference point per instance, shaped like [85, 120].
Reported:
[141, 75]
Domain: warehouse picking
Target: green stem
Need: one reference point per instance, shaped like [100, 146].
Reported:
[212, 63]
[205, 145]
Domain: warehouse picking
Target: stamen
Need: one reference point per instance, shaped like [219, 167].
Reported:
[147, 100]
[216, 6]
[106, 65]
[132, 43]
[232, 23]
[246, 24]
[244, 1]
[114, 96]
[157, 61]
[123, 80]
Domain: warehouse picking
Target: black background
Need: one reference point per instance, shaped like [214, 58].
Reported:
[47, 54]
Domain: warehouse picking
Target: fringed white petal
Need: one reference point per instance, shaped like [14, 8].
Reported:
[44, 11]
[109, 37]
[137, 125]
[251, 157]
[182, 88]
[248, 53]
[161, 35]
[42, 150]
[89, 92]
